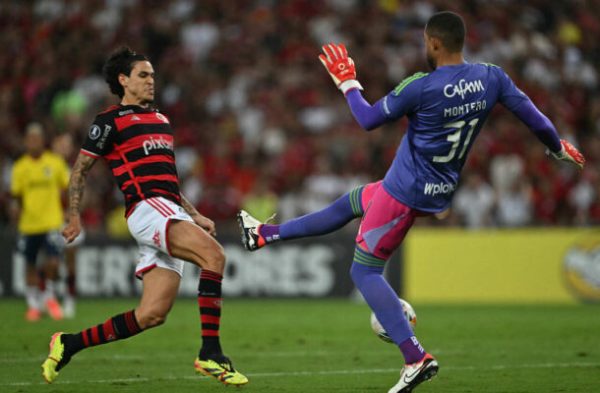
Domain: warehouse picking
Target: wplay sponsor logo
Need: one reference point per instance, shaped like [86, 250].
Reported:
[434, 189]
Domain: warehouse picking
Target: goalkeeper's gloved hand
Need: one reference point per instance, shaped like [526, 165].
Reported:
[569, 153]
[340, 67]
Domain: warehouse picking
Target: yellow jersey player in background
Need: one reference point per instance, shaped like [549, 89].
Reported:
[38, 179]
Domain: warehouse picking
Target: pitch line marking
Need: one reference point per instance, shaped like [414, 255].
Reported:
[308, 373]
[283, 354]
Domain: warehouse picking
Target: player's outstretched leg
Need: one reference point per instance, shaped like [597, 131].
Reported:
[349, 206]
[211, 361]
[158, 294]
[63, 346]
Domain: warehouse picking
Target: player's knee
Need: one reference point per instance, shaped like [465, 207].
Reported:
[214, 259]
[220, 256]
[151, 319]
[360, 272]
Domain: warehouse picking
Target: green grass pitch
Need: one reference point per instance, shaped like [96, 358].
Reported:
[316, 346]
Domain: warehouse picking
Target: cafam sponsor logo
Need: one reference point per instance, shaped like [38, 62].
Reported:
[462, 88]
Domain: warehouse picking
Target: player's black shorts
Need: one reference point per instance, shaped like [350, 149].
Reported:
[30, 245]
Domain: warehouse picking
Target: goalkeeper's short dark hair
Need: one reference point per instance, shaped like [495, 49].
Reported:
[449, 28]
[121, 61]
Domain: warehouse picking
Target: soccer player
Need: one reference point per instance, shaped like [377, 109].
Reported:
[38, 179]
[446, 110]
[137, 143]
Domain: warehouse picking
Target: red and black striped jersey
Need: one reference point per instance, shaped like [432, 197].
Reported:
[137, 143]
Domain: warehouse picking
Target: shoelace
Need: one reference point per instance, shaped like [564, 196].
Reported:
[227, 365]
[270, 218]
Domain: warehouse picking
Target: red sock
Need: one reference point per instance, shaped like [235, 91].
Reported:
[116, 328]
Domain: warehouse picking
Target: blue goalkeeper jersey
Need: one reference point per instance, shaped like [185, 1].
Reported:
[446, 110]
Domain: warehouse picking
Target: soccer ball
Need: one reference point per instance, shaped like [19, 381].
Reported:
[409, 314]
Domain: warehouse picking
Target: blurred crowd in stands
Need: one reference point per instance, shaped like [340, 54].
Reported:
[259, 124]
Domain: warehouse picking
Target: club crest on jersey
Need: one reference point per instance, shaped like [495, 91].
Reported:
[462, 88]
[156, 143]
[162, 117]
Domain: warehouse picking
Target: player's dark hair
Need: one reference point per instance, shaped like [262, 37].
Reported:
[449, 28]
[121, 61]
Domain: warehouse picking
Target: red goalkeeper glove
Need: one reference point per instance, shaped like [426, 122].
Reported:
[569, 153]
[340, 67]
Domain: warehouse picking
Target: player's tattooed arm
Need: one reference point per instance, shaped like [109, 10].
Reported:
[206, 223]
[76, 185]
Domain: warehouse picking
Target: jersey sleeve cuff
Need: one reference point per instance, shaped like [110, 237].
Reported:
[348, 85]
[559, 155]
[89, 153]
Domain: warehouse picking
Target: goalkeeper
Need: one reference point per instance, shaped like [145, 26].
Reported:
[446, 109]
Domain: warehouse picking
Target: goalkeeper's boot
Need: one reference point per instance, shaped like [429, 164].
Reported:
[415, 373]
[249, 226]
[220, 367]
[57, 358]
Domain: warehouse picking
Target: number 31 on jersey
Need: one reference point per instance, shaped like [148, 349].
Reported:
[455, 139]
